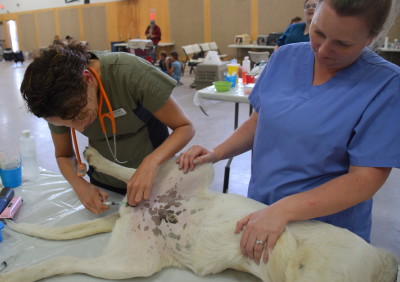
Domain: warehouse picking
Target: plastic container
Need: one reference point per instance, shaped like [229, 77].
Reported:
[232, 79]
[245, 68]
[233, 68]
[1, 233]
[30, 169]
[222, 86]
[206, 74]
[11, 177]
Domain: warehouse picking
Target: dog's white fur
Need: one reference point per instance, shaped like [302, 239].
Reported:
[184, 224]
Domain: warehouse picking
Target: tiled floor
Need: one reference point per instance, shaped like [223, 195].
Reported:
[209, 131]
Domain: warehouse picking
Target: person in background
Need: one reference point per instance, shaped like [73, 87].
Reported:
[69, 39]
[176, 67]
[63, 85]
[299, 32]
[322, 135]
[57, 40]
[153, 32]
[164, 62]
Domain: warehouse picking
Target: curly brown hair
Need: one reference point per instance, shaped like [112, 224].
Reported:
[53, 84]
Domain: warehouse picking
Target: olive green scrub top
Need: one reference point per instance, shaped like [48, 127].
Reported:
[135, 90]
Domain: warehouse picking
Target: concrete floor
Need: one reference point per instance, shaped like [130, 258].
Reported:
[209, 131]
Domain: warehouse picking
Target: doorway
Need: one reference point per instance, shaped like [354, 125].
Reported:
[13, 35]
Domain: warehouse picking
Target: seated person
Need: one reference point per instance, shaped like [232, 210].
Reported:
[296, 20]
[298, 32]
[164, 63]
[176, 67]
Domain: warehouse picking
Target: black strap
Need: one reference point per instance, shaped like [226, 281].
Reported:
[158, 131]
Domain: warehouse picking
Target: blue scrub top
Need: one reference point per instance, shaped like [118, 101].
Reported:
[293, 34]
[307, 135]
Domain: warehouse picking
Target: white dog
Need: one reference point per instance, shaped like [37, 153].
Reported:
[183, 224]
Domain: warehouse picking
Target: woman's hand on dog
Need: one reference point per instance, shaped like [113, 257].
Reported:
[264, 225]
[141, 182]
[194, 156]
[93, 198]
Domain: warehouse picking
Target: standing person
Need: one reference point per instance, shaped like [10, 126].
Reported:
[153, 32]
[176, 67]
[322, 134]
[299, 32]
[63, 86]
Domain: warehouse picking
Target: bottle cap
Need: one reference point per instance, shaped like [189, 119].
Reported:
[26, 133]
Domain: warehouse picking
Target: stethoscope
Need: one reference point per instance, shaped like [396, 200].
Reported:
[81, 168]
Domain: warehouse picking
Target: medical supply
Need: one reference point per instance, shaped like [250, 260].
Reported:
[115, 203]
[246, 67]
[30, 169]
[12, 208]
[9, 260]
[81, 169]
[6, 196]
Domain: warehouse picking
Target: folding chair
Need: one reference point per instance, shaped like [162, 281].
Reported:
[258, 57]
[214, 47]
[205, 47]
[191, 53]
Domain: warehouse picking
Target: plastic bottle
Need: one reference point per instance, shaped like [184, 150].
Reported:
[30, 169]
[245, 69]
[396, 44]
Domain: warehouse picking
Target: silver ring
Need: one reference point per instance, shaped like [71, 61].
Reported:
[259, 242]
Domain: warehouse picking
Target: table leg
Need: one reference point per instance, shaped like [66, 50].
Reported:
[228, 164]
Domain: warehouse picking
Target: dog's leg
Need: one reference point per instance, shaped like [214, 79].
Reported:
[101, 225]
[103, 165]
[112, 266]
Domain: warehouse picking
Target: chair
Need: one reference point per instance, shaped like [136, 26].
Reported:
[205, 47]
[191, 51]
[258, 57]
[197, 50]
[214, 47]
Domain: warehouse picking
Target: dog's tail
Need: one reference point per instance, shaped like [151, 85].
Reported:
[101, 225]
[389, 267]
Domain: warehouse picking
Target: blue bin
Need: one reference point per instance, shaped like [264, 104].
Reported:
[11, 177]
[231, 78]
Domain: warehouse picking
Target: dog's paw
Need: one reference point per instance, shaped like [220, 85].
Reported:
[91, 156]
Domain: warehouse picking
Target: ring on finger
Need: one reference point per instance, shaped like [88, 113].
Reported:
[259, 242]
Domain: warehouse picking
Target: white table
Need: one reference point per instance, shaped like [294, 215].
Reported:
[242, 49]
[50, 200]
[161, 46]
[235, 95]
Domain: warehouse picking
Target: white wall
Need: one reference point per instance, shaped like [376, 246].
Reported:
[13, 6]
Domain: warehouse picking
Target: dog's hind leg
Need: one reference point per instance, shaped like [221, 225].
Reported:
[101, 225]
[113, 266]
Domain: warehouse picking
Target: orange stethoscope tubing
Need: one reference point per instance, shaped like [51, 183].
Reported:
[81, 169]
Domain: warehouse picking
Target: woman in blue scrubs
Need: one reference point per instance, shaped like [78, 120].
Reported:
[324, 133]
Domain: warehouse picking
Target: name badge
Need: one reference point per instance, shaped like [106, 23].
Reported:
[119, 112]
